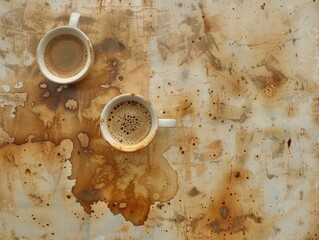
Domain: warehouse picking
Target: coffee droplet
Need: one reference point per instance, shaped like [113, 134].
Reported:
[132, 120]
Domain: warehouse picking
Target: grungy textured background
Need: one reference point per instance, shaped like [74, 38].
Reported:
[240, 77]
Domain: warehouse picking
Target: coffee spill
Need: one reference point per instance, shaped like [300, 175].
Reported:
[128, 182]
[242, 162]
[37, 177]
[12, 101]
[228, 214]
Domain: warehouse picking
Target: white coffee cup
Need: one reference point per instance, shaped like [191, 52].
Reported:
[129, 122]
[65, 54]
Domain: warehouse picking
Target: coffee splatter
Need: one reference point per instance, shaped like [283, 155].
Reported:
[110, 45]
[238, 78]
[130, 183]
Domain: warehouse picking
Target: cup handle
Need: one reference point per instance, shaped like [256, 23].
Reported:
[166, 123]
[74, 20]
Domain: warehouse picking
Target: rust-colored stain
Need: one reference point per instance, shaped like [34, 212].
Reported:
[129, 182]
[241, 79]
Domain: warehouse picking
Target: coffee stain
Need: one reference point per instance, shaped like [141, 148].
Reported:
[277, 77]
[55, 112]
[44, 114]
[5, 138]
[232, 210]
[221, 108]
[148, 3]
[14, 16]
[185, 108]
[292, 111]
[215, 24]
[204, 44]
[110, 45]
[289, 143]
[192, 43]
[193, 192]
[13, 100]
[128, 182]
[246, 70]
[189, 158]
[112, 70]
[315, 110]
[34, 165]
[96, 168]
[214, 149]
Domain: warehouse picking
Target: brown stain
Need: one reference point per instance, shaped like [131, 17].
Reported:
[229, 215]
[187, 144]
[289, 143]
[128, 183]
[148, 3]
[220, 108]
[112, 70]
[33, 163]
[266, 80]
[277, 78]
[292, 111]
[315, 110]
[246, 140]
[110, 45]
[214, 149]
[193, 192]
[214, 24]
[197, 43]
[232, 210]
[185, 107]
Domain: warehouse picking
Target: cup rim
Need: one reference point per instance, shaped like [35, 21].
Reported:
[48, 37]
[107, 136]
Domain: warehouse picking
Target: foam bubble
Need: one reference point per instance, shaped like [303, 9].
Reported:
[132, 122]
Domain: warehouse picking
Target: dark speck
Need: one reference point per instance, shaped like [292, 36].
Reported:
[193, 192]
[289, 142]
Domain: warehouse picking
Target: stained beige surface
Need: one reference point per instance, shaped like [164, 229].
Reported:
[240, 77]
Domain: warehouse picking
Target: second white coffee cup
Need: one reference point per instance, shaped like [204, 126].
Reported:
[129, 122]
[65, 54]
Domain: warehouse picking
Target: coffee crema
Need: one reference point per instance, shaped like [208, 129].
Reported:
[129, 122]
[65, 55]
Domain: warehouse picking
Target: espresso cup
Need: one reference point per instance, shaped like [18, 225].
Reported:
[129, 122]
[65, 54]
